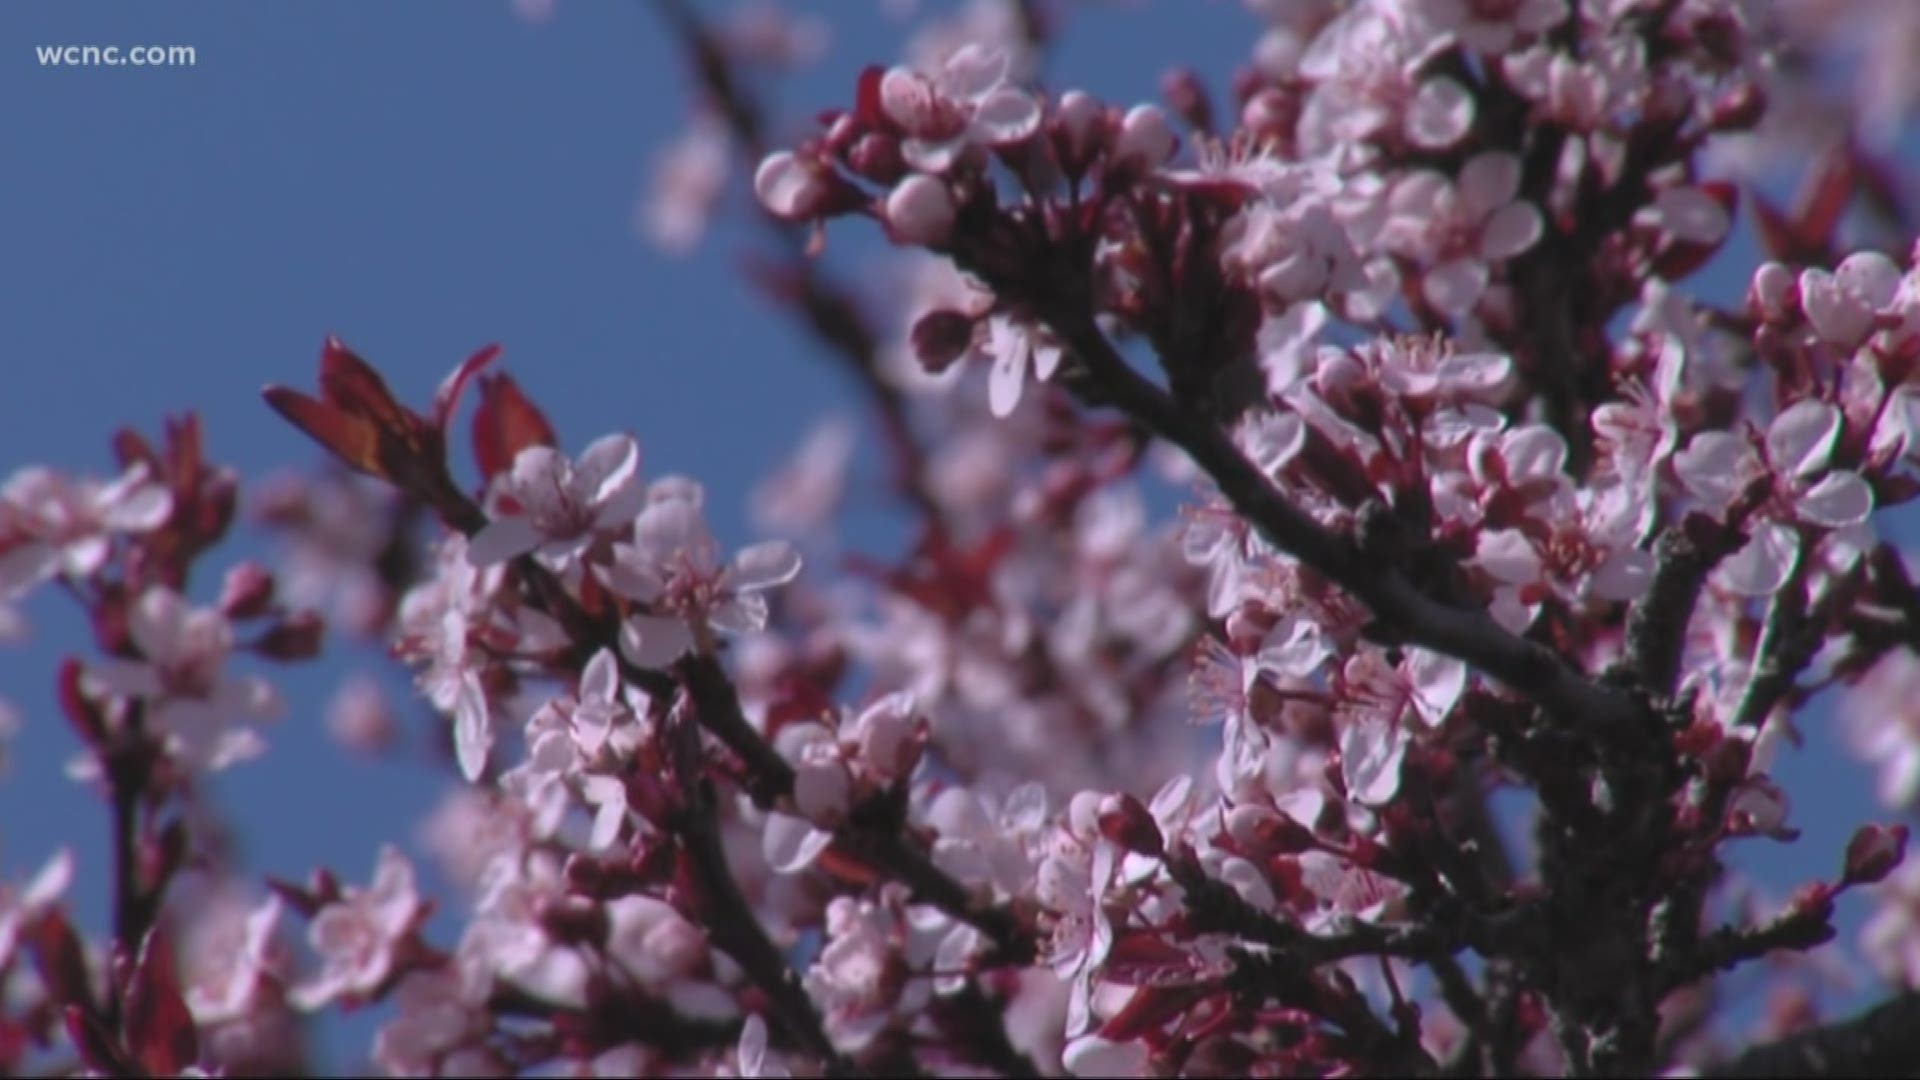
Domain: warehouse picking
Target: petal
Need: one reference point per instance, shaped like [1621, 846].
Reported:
[1006, 116]
[472, 728]
[1838, 500]
[502, 539]
[654, 641]
[763, 566]
[1440, 113]
[1870, 276]
[1487, 183]
[1800, 440]
[141, 509]
[1836, 314]
[1456, 286]
[787, 186]
[1763, 565]
[1511, 230]
[1714, 466]
[973, 69]
[1508, 555]
[1005, 381]
[1438, 681]
[791, 844]
[607, 467]
[1692, 215]
[1533, 452]
[1370, 755]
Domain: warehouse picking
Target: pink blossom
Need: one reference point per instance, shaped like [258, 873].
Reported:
[1367, 69]
[52, 525]
[360, 935]
[232, 956]
[181, 675]
[964, 104]
[1843, 305]
[557, 508]
[1718, 466]
[1461, 228]
[673, 566]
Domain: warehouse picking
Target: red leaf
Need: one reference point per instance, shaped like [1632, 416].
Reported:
[1777, 234]
[60, 959]
[1824, 197]
[353, 440]
[447, 398]
[159, 1028]
[505, 423]
[352, 384]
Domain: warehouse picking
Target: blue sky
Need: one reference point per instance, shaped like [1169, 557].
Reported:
[421, 179]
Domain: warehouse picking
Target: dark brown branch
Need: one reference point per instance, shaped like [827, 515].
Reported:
[1657, 622]
[730, 920]
[1884, 1041]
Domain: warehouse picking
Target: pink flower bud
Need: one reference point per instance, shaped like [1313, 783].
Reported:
[1873, 853]
[1146, 139]
[1079, 114]
[920, 211]
[247, 591]
[790, 186]
[822, 790]
[1775, 293]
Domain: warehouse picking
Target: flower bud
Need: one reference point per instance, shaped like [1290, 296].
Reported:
[1774, 293]
[1873, 853]
[1079, 114]
[1146, 140]
[940, 338]
[920, 211]
[789, 186]
[247, 591]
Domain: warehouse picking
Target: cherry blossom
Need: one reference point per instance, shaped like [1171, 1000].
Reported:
[50, 524]
[193, 701]
[1794, 461]
[359, 936]
[673, 566]
[557, 508]
[1462, 227]
[964, 103]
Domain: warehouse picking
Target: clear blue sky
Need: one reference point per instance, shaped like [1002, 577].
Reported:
[420, 178]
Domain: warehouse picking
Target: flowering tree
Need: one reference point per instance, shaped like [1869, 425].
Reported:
[1475, 498]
